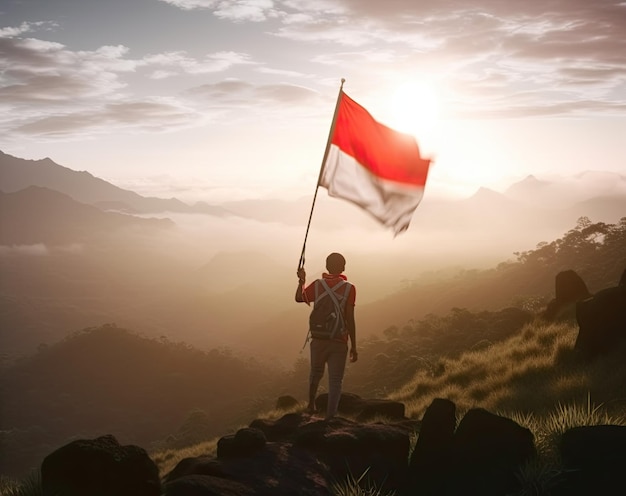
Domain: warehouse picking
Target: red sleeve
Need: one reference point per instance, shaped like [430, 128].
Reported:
[309, 292]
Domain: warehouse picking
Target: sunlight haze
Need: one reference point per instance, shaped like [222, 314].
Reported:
[211, 101]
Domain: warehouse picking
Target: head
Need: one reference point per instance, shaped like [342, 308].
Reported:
[335, 263]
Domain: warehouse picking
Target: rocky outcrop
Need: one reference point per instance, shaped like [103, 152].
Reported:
[601, 321]
[480, 455]
[99, 467]
[301, 454]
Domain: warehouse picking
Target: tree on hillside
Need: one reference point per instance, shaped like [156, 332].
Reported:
[596, 251]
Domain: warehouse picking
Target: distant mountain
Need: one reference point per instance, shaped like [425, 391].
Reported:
[568, 191]
[17, 174]
[41, 215]
[607, 208]
[528, 187]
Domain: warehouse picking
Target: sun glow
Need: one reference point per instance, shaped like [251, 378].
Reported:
[415, 109]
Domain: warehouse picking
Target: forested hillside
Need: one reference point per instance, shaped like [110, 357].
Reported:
[112, 380]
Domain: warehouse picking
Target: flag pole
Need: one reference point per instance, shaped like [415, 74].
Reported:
[319, 177]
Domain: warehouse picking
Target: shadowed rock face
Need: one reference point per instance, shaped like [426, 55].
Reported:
[601, 321]
[429, 458]
[99, 467]
[594, 458]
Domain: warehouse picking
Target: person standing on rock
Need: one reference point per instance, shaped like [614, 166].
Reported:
[329, 345]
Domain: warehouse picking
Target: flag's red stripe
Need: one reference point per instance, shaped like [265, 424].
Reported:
[386, 153]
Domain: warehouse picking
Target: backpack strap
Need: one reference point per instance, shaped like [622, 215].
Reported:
[331, 292]
[339, 306]
[346, 293]
[326, 289]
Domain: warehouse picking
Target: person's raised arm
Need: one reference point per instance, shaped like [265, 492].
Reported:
[300, 289]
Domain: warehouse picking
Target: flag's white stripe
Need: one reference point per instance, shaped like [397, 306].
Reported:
[391, 202]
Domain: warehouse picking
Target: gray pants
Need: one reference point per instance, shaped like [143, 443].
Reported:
[333, 353]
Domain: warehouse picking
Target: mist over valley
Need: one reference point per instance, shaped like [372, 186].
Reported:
[77, 251]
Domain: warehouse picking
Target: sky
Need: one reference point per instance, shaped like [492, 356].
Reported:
[220, 100]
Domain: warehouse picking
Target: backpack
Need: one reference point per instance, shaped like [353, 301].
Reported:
[327, 319]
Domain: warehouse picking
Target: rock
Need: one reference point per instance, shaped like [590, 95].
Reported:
[304, 455]
[487, 451]
[206, 485]
[381, 450]
[593, 459]
[244, 443]
[282, 429]
[308, 455]
[286, 403]
[280, 468]
[429, 459]
[99, 467]
[364, 409]
[569, 289]
[601, 321]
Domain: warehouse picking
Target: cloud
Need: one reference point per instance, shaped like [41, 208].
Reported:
[25, 27]
[40, 249]
[233, 10]
[47, 89]
[238, 93]
[141, 115]
[176, 63]
[490, 58]
[574, 46]
[284, 72]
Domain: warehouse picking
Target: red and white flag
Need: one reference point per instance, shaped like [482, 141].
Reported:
[375, 167]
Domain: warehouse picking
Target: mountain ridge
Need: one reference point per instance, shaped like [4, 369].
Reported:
[17, 174]
[37, 214]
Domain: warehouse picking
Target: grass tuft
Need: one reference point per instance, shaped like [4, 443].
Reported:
[28, 486]
[360, 486]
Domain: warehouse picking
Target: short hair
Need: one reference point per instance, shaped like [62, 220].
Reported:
[335, 263]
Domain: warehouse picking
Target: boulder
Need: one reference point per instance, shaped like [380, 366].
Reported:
[99, 467]
[486, 452]
[428, 461]
[281, 429]
[286, 402]
[601, 321]
[593, 459]
[569, 288]
[243, 443]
